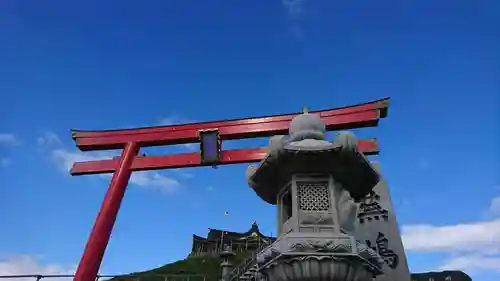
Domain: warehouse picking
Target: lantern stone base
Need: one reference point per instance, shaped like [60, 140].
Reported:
[318, 256]
[318, 268]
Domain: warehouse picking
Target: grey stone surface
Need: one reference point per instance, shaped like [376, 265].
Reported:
[379, 223]
[313, 182]
[322, 245]
[307, 126]
[226, 265]
[319, 256]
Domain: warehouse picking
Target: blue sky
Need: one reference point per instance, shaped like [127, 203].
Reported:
[118, 64]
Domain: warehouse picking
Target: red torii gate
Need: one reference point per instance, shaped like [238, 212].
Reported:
[131, 140]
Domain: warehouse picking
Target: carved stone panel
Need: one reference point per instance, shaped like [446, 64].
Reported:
[381, 246]
[313, 196]
[315, 218]
[370, 209]
[315, 206]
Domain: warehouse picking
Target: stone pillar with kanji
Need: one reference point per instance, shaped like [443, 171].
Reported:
[377, 227]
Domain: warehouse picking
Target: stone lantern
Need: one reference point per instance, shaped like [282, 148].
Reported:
[313, 183]
[226, 265]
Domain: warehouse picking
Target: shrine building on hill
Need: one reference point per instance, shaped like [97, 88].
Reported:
[247, 241]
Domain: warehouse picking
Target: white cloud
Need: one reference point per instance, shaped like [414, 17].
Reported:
[181, 172]
[65, 159]
[49, 139]
[478, 236]
[472, 263]
[295, 10]
[472, 246]
[154, 180]
[495, 206]
[9, 140]
[32, 265]
[294, 7]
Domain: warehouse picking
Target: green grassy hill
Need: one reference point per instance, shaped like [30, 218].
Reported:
[196, 268]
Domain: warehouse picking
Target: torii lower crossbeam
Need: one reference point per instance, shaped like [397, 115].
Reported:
[186, 160]
[131, 140]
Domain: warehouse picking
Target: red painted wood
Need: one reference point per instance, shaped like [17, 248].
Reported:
[141, 163]
[99, 237]
[379, 105]
[338, 122]
[131, 140]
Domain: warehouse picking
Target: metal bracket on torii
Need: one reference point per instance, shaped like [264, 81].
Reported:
[210, 135]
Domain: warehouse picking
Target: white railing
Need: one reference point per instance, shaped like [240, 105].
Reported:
[245, 265]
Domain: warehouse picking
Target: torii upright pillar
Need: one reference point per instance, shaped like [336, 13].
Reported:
[209, 135]
[101, 232]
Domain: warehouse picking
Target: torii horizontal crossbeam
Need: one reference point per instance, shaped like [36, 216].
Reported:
[357, 116]
[237, 156]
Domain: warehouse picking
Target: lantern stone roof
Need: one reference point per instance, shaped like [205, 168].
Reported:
[307, 151]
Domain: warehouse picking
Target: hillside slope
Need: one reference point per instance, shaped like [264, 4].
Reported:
[197, 268]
